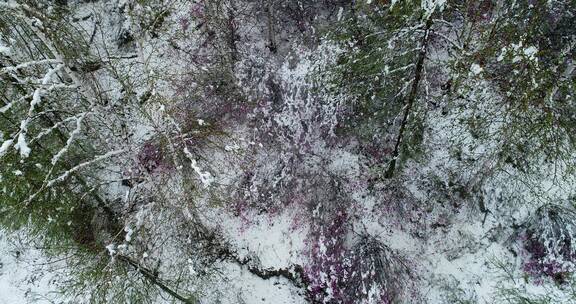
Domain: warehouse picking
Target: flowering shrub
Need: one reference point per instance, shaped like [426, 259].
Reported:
[330, 265]
[379, 275]
[548, 243]
[280, 180]
[540, 264]
[151, 157]
[369, 272]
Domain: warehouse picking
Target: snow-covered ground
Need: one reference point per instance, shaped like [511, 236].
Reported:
[242, 184]
[23, 275]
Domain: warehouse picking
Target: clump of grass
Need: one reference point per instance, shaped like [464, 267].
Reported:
[548, 243]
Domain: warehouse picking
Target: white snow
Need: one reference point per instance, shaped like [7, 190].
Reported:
[4, 50]
[205, 176]
[530, 52]
[22, 279]
[460, 252]
[5, 146]
[476, 69]
[429, 6]
[22, 146]
[129, 231]
[70, 139]
[111, 249]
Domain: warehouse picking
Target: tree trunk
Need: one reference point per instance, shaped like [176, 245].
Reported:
[410, 100]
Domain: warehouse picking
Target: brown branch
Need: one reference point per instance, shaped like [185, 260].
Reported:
[154, 279]
[411, 98]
